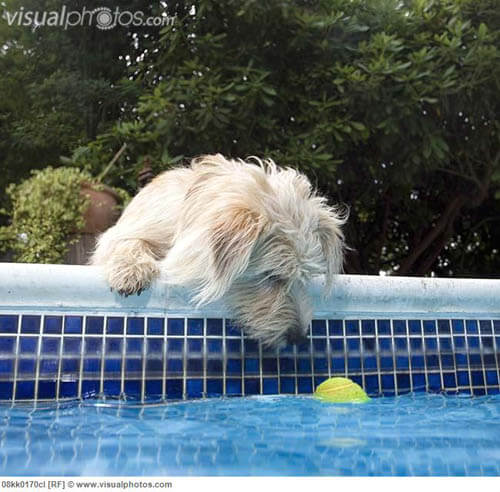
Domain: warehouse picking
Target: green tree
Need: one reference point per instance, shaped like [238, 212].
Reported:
[59, 87]
[391, 106]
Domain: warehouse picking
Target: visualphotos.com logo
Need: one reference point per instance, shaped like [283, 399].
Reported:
[103, 18]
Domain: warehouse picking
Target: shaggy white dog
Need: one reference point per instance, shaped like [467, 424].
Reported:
[251, 232]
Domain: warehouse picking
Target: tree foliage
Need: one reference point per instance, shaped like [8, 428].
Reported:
[391, 106]
[59, 88]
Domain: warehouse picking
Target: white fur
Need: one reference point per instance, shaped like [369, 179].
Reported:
[249, 231]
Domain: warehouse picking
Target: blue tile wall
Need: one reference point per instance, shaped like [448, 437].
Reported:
[50, 357]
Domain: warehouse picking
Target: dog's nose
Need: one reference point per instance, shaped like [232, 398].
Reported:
[295, 336]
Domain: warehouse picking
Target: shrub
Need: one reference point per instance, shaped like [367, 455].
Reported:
[47, 213]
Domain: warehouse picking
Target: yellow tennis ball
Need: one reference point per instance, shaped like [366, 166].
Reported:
[340, 390]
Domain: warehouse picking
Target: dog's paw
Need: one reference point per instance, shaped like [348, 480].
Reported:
[128, 279]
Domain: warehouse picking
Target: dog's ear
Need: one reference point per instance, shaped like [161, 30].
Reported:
[232, 239]
[332, 242]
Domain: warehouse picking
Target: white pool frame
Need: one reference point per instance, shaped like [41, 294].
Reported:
[36, 287]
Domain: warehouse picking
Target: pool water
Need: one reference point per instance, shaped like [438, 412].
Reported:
[281, 435]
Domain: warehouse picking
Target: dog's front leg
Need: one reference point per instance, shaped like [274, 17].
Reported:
[130, 265]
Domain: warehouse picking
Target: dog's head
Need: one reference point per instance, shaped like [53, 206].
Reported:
[256, 234]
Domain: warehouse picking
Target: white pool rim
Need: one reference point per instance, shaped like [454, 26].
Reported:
[60, 288]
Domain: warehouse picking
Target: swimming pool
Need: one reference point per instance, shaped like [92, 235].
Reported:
[70, 350]
[278, 435]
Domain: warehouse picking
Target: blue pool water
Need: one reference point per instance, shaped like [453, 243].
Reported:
[283, 435]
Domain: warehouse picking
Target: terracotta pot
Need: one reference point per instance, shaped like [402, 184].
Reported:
[100, 215]
[102, 211]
